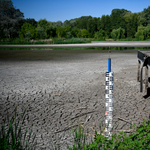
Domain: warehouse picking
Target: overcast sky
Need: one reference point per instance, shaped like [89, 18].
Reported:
[61, 10]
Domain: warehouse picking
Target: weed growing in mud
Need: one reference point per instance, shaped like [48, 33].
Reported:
[12, 137]
[139, 139]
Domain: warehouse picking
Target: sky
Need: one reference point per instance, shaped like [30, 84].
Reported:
[61, 10]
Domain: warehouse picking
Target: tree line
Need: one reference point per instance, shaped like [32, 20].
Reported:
[120, 24]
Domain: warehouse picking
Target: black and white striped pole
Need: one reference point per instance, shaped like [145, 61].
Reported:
[109, 91]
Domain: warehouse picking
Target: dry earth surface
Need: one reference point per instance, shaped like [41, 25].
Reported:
[62, 88]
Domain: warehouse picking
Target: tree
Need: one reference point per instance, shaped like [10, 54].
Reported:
[62, 31]
[28, 31]
[49, 28]
[92, 26]
[84, 33]
[143, 33]
[104, 23]
[82, 22]
[147, 32]
[100, 35]
[75, 32]
[131, 24]
[59, 23]
[119, 12]
[41, 34]
[31, 21]
[117, 19]
[118, 33]
[9, 19]
[145, 16]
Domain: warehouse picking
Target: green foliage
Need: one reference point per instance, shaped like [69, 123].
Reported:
[71, 40]
[31, 21]
[131, 20]
[79, 138]
[82, 22]
[139, 35]
[62, 31]
[120, 12]
[117, 19]
[12, 137]
[139, 139]
[10, 19]
[143, 33]
[75, 32]
[100, 35]
[147, 32]
[84, 33]
[43, 23]
[118, 33]
[48, 29]
[11, 23]
[144, 17]
[41, 34]
[104, 23]
[92, 26]
[27, 31]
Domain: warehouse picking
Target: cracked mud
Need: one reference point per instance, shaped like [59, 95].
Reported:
[62, 88]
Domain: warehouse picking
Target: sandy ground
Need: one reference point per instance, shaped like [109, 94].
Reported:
[61, 89]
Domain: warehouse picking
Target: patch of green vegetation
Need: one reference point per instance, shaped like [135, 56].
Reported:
[20, 41]
[138, 139]
[12, 137]
[71, 40]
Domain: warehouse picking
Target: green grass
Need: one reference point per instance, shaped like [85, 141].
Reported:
[138, 140]
[19, 41]
[56, 41]
[12, 137]
[71, 41]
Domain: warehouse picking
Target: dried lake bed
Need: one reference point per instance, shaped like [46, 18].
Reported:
[61, 88]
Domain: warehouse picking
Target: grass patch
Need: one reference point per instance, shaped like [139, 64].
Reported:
[55, 40]
[12, 137]
[139, 139]
[71, 41]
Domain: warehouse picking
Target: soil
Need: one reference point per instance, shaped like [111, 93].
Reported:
[62, 88]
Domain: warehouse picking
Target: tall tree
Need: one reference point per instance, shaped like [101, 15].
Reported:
[117, 19]
[27, 31]
[62, 31]
[145, 16]
[131, 24]
[31, 21]
[49, 27]
[100, 35]
[92, 26]
[10, 19]
[118, 33]
[84, 33]
[82, 22]
[75, 31]
[139, 35]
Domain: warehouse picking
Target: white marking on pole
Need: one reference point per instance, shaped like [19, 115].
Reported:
[109, 90]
